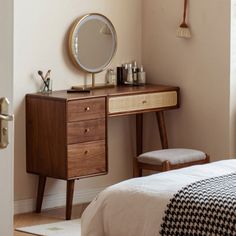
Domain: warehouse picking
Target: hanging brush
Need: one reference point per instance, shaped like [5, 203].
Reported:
[184, 30]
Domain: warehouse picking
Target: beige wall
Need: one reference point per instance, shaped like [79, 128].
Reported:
[200, 66]
[233, 81]
[40, 34]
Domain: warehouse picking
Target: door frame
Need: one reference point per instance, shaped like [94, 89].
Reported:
[6, 90]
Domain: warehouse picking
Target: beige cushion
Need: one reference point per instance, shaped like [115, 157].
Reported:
[174, 156]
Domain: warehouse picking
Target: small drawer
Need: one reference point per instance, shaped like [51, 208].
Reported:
[142, 102]
[86, 159]
[85, 131]
[86, 109]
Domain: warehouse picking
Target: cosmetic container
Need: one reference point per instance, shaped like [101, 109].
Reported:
[130, 75]
[125, 72]
[141, 76]
[135, 73]
[111, 77]
[119, 73]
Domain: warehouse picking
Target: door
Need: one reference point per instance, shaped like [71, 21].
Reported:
[6, 90]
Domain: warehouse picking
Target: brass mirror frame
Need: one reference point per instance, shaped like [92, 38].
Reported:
[74, 26]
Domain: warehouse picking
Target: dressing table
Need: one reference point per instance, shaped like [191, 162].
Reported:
[66, 133]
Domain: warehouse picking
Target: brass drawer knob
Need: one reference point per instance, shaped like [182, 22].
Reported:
[86, 152]
[87, 130]
[144, 102]
[87, 109]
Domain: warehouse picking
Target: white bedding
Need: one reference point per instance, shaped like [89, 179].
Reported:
[135, 207]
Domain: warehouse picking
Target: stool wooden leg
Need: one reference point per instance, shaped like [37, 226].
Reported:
[166, 166]
[41, 187]
[140, 174]
[69, 198]
[139, 143]
[207, 158]
[162, 129]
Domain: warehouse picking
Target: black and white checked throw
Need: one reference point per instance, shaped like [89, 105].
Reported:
[207, 207]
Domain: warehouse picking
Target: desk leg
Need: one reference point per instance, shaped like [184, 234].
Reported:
[162, 129]
[69, 198]
[41, 187]
[139, 143]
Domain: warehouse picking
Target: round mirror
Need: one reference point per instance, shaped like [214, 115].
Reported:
[92, 43]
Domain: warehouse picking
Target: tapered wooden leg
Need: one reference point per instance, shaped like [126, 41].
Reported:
[69, 198]
[41, 187]
[162, 129]
[140, 172]
[139, 143]
[139, 133]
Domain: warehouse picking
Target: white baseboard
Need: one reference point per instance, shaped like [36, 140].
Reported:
[57, 200]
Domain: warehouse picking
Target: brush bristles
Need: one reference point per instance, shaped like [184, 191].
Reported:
[183, 32]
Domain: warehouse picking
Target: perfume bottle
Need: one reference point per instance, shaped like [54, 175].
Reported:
[130, 74]
[135, 73]
[141, 76]
[124, 72]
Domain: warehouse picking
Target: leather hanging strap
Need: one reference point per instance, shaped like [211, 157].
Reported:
[185, 11]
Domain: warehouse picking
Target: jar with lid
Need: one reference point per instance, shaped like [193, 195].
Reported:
[111, 77]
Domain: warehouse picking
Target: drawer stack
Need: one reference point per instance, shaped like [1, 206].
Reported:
[86, 137]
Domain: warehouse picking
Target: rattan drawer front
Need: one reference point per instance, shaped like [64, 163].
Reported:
[85, 131]
[142, 102]
[86, 159]
[86, 109]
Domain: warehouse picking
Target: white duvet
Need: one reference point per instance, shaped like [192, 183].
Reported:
[135, 207]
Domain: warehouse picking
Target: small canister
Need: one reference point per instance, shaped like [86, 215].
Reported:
[111, 77]
[119, 73]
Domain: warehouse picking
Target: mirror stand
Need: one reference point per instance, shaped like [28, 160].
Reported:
[99, 86]
[78, 89]
[93, 80]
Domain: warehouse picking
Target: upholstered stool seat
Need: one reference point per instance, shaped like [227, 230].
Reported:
[174, 156]
[167, 159]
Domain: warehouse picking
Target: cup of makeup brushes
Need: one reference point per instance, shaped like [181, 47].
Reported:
[47, 82]
[47, 88]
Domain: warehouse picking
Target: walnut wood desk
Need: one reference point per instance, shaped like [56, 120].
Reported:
[66, 134]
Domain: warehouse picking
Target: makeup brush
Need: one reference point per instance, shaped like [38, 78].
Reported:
[47, 74]
[184, 30]
[41, 75]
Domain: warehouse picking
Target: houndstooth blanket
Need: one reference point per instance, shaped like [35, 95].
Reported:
[207, 207]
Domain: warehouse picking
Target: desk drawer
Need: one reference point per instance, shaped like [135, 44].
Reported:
[85, 131]
[86, 159]
[86, 109]
[142, 102]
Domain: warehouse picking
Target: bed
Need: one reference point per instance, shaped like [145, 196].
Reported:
[198, 200]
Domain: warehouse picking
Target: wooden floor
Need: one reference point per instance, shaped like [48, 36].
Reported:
[46, 217]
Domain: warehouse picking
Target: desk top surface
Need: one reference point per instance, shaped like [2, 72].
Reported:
[106, 92]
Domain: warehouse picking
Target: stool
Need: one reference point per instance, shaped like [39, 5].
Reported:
[166, 158]
[170, 159]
